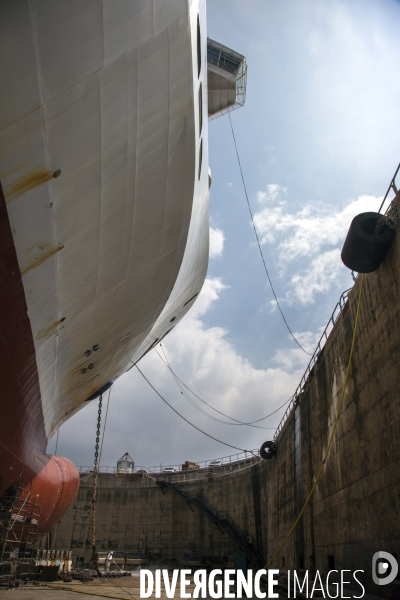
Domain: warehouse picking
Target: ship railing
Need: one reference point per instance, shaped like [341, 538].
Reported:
[337, 311]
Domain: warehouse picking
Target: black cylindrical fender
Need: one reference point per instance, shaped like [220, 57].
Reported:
[363, 251]
[268, 450]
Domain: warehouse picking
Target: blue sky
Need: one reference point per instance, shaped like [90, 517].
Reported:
[318, 140]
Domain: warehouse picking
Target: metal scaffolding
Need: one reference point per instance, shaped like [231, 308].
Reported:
[19, 521]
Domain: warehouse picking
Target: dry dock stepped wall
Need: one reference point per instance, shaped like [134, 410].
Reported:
[355, 509]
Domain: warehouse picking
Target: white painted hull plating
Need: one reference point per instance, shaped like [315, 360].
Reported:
[108, 93]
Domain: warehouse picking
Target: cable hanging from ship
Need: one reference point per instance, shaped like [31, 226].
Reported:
[259, 245]
[180, 383]
[187, 421]
[215, 419]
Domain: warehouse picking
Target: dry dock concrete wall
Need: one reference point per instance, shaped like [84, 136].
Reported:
[355, 510]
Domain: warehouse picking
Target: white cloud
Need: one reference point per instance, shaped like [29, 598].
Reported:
[209, 294]
[217, 239]
[312, 231]
[306, 231]
[322, 272]
[270, 194]
[290, 359]
[272, 306]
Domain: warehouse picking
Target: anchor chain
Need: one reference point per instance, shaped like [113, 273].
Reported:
[94, 559]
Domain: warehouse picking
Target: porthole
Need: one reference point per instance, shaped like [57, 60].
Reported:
[96, 347]
[200, 156]
[88, 353]
[91, 366]
[83, 371]
[172, 320]
[56, 173]
[198, 47]
[200, 108]
[190, 299]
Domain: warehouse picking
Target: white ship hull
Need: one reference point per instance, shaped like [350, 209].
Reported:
[112, 252]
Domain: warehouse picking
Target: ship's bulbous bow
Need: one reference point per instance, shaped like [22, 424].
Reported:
[54, 487]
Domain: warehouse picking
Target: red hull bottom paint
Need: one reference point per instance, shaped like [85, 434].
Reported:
[55, 488]
[54, 480]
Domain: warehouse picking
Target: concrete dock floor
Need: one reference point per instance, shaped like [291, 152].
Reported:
[120, 589]
[124, 588]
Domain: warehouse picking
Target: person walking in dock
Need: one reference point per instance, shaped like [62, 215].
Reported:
[108, 561]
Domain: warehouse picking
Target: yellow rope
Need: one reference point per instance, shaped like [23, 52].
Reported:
[310, 495]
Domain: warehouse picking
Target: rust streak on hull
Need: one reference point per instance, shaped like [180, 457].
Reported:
[41, 258]
[5, 174]
[30, 180]
[49, 330]
[22, 435]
